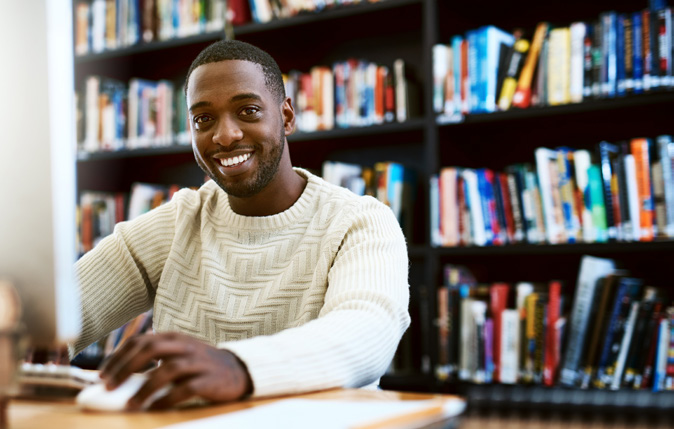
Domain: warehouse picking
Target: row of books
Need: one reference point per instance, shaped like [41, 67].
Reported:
[489, 69]
[102, 25]
[351, 93]
[623, 192]
[260, 11]
[615, 333]
[113, 115]
[392, 183]
[99, 212]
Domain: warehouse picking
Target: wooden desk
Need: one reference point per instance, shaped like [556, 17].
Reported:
[24, 414]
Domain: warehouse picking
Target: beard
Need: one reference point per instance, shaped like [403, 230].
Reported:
[268, 165]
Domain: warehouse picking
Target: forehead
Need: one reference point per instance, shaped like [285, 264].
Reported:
[226, 79]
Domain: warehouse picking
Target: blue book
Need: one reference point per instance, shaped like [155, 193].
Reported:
[472, 37]
[456, 54]
[637, 51]
[609, 63]
[487, 202]
[494, 40]
[628, 290]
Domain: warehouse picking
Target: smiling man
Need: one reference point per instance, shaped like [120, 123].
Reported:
[265, 281]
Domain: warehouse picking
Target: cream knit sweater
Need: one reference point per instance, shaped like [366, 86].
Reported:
[311, 298]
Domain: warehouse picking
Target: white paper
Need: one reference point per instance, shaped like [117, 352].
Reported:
[311, 414]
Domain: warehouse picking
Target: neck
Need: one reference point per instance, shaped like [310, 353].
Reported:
[277, 197]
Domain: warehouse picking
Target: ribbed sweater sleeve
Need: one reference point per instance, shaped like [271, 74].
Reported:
[364, 315]
[118, 278]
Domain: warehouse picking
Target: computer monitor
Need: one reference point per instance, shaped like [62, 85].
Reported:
[37, 166]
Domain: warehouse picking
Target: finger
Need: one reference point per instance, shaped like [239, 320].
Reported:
[179, 393]
[137, 357]
[171, 371]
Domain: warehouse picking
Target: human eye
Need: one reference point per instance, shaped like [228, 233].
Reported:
[250, 111]
[201, 120]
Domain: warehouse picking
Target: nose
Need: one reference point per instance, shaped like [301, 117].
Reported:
[227, 132]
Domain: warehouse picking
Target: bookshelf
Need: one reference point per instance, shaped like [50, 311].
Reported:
[408, 29]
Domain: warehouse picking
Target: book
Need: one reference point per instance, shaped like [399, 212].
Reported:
[449, 208]
[510, 347]
[582, 162]
[607, 153]
[632, 196]
[498, 301]
[591, 270]
[628, 291]
[640, 149]
[552, 346]
[666, 156]
[522, 96]
[513, 69]
[624, 347]
[600, 325]
[558, 63]
[546, 161]
[578, 31]
[598, 205]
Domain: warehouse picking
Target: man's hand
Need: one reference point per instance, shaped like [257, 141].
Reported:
[193, 367]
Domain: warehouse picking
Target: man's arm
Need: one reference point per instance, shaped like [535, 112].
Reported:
[119, 276]
[364, 315]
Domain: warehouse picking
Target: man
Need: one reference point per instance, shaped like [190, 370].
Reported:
[265, 281]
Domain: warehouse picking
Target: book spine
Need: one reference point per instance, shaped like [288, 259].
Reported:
[666, 154]
[591, 270]
[558, 62]
[628, 54]
[512, 73]
[552, 352]
[576, 63]
[607, 151]
[498, 294]
[659, 372]
[640, 150]
[522, 96]
[588, 61]
[637, 53]
[598, 205]
[624, 347]
[621, 76]
[510, 335]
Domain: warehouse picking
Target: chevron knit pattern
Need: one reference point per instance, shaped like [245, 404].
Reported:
[311, 298]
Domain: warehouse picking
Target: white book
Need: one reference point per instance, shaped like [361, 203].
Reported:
[553, 230]
[98, 25]
[92, 114]
[633, 196]
[400, 84]
[479, 236]
[582, 160]
[666, 154]
[578, 30]
[467, 347]
[436, 238]
[441, 55]
[510, 346]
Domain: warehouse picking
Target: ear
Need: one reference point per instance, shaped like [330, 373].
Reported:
[288, 116]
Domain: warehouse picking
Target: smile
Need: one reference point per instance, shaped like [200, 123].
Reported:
[233, 161]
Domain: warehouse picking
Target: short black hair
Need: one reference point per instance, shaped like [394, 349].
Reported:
[223, 50]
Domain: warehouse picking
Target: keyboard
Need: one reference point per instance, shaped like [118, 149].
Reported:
[52, 377]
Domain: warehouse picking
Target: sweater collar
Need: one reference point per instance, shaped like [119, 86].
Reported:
[280, 220]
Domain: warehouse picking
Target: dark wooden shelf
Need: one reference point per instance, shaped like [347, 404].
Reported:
[340, 133]
[142, 47]
[559, 249]
[337, 133]
[335, 12]
[656, 98]
[516, 398]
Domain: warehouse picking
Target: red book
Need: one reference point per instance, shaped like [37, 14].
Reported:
[498, 301]
[238, 12]
[507, 206]
[552, 346]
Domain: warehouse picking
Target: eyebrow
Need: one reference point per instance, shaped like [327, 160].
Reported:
[238, 97]
[245, 96]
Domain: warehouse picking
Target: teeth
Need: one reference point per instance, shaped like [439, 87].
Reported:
[228, 162]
